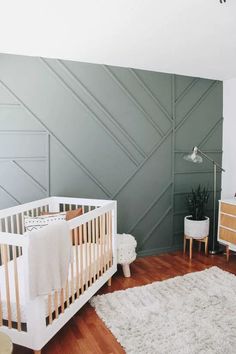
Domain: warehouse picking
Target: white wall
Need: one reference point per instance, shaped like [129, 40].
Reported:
[194, 38]
[229, 139]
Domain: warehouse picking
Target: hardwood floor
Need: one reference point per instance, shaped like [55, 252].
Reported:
[85, 333]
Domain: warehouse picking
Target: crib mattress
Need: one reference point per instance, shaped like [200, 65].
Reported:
[94, 254]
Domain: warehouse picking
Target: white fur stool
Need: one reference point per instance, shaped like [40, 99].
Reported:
[126, 254]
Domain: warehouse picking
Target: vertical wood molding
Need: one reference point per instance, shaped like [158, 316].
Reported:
[173, 104]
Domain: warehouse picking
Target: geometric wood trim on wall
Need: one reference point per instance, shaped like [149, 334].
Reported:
[108, 132]
[23, 166]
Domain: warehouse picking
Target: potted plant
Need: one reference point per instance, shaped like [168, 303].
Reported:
[196, 225]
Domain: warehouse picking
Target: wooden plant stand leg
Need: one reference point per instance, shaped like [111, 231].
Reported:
[190, 248]
[126, 270]
[227, 253]
[109, 281]
[206, 245]
[184, 244]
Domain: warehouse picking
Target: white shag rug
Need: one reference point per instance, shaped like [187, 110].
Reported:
[194, 313]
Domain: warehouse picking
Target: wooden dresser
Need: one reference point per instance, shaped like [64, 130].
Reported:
[227, 224]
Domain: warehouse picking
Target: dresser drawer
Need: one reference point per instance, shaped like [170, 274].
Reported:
[228, 221]
[227, 235]
[228, 208]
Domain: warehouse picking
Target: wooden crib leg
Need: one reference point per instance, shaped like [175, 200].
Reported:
[126, 270]
[109, 281]
[227, 252]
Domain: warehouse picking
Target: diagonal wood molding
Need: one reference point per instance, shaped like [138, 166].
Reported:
[90, 111]
[10, 195]
[197, 104]
[186, 90]
[151, 94]
[134, 100]
[63, 146]
[102, 108]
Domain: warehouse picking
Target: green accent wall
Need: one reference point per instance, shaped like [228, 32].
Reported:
[86, 130]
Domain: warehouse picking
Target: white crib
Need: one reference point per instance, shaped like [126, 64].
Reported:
[32, 323]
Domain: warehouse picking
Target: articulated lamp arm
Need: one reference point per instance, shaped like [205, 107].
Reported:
[195, 157]
[208, 158]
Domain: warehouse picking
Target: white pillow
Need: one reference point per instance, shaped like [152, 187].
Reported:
[37, 222]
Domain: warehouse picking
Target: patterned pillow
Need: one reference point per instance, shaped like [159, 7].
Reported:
[37, 222]
[70, 214]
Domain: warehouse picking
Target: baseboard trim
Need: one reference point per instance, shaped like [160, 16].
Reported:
[155, 251]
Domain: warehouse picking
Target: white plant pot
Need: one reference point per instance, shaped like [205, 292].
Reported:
[196, 228]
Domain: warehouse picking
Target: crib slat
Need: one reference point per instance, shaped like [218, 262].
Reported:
[89, 251]
[110, 238]
[102, 244]
[85, 255]
[98, 248]
[93, 256]
[1, 322]
[72, 269]
[12, 229]
[81, 258]
[7, 230]
[63, 207]
[50, 308]
[67, 294]
[17, 223]
[19, 230]
[62, 301]
[106, 241]
[4, 254]
[18, 313]
[72, 282]
[56, 303]
[22, 222]
[76, 260]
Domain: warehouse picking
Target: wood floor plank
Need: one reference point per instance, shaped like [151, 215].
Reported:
[85, 333]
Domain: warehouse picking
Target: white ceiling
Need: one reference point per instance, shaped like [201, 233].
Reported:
[189, 37]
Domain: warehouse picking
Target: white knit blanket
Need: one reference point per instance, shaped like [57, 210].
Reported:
[190, 314]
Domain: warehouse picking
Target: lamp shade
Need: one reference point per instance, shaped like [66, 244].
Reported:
[194, 157]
